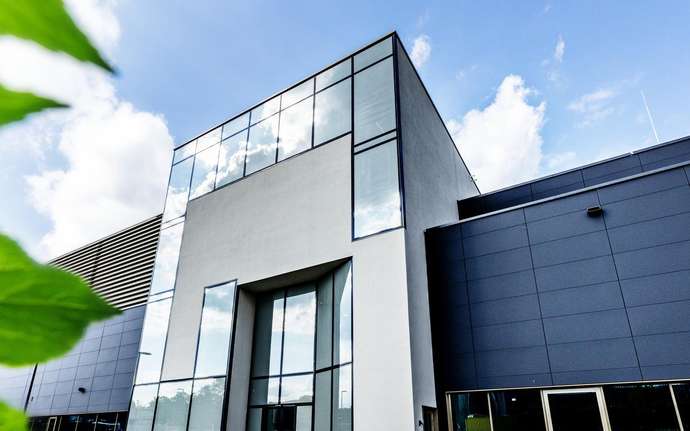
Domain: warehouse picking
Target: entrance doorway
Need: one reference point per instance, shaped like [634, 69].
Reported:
[575, 409]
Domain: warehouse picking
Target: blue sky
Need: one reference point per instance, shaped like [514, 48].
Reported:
[526, 87]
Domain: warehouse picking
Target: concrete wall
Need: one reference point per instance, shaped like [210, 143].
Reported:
[546, 295]
[435, 178]
[103, 363]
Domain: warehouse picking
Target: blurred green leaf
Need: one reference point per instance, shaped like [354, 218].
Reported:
[11, 419]
[15, 105]
[47, 22]
[43, 310]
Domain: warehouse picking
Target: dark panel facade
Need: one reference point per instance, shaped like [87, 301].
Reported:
[546, 294]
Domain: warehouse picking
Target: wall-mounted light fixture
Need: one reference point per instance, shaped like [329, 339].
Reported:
[595, 211]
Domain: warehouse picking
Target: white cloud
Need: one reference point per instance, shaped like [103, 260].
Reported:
[421, 50]
[593, 106]
[502, 143]
[559, 51]
[116, 158]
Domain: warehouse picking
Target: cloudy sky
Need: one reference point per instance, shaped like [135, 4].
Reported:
[526, 88]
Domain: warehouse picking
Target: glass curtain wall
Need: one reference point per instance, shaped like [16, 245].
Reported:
[302, 357]
[112, 421]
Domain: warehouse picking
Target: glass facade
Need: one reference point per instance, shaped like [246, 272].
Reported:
[111, 421]
[288, 382]
[215, 332]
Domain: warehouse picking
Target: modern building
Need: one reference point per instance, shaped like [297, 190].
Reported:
[325, 262]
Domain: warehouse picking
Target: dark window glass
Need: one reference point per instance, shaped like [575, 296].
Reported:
[231, 159]
[298, 338]
[86, 422]
[374, 101]
[332, 112]
[106, 422]
[268, 331]
[324, 322]
[297, 93]
[207, 404]
[173, 406]
[377, 196]
[264, 391]
[204, 176]
[342, 398]
[70, 423]
[261, 148]
[682, 393]
[640, 407]
[470, 412]
[517, 410]
[295, 129]
[373, 54]
[234, 126]
[215, 330]
[167, 255]
[575, 411]
[210, 138]
[121, 421]
[142, 407]
[342, 319]
[153, 336]
[334, 74]
[178, 189]
[322, 400]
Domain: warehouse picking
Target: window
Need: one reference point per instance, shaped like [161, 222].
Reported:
[681, 391]
[207, 404]
[142, 407]
[324, 323]
[377, 195]
[173, 406]
[374, 101]
[233, 126]
[342, 316]
[105, 422]
[210, 138]
[333, 75]
[261, 148]
[342, 398]
[517, 410]
[332, 112]
[204, 176]
[297, 93]
[295, 129]
[322, 400]
[153, 337]
[265, 110]
[215, 330]
[640, 407]
[300, 317]
[178, 189]
[231, 159]
[167, 255]
[373, 54]
[470, 412]
[184, 151]
[296, 389]
[268, 333]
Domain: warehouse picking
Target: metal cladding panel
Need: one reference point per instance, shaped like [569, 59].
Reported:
[586, 300]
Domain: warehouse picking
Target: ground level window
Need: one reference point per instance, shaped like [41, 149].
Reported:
[470, 412]
[517, 410]
[640, 407]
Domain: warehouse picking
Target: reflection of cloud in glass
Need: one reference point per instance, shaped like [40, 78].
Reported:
[184, 151]
[204, 176]
[295, 129]
[300, 321]
[207, 404]
[166, 259]
[332, 115]
[295, 389]
[234, 126]
[334, 74]
[231, 159]
[377, 216]
[216, 329]
[142, 408]
[297, 93]
[205, 141]
[265, 110]
[178, 189]
[261, 148]
[153, 340]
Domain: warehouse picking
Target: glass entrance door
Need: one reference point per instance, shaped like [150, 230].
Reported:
[581, 409]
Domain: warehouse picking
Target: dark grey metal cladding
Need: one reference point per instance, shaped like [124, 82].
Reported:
[554, 296]
[660, 156]
[102, 363]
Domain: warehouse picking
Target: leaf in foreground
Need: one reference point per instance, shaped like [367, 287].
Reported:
[11, 419]
[15, 105]
[43, 310]
[47, 22]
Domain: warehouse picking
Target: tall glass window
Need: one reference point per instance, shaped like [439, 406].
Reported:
[178, 189]
[470, 411]
[215, 330]
[235, 125]
[167, 256]
[377, 193]
[332, 112]
[153, 341]
[142, 407]
[640, 407]
[374, 101]
[204, 176]
[373, 54]
[261, 148]
[517, 410]
[173, 406]
[295, 129]
[231, 159]
[207, 404]
[334, 74]
[210, 138]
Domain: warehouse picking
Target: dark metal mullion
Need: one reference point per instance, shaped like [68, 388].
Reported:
[316, 338]
[280, 117]
[396, 90]
[191, 400]
[282, 348]
[380, 60]
[352, 346]
[364, 150]
[313, 141]
[332, 340]
[352, 157]
[246, 146]
[228, 372]
[333, 84]
[380, 135]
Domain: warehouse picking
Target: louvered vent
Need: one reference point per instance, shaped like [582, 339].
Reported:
[119, 266]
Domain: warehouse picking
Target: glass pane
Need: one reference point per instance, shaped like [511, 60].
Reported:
[334, 74]
[204, 176]
[377, 197]
[295, 129]
[332, 112]
[184, 151]
[265, 110]
[517, 410]
[296, 389]
[374, 101]
[342, 398]
[70, 423]
[153, 341]
[121, 421]
[322, 400]
[298, 93]
[142, 407]
[303, 422]
[470, 412]
[300, 320]
[86, 422]
[342, 321]
[640, 407]
[210, 138]
[254, 420]
[104, 422]
[264, 391]
[173, 406]
[178, 190]
[682, 394]
[375, 141]
[207, 404]
[268, 334]
[231, 159]
[261, 148]
[166, 259]
[215, 330]
[234, 126]
[575, 412]
[324, 322]
[374, 53]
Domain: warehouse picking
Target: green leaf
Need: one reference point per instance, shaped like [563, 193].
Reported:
[15, 105]
[43, 310]
[11, 419]
[47, 22]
